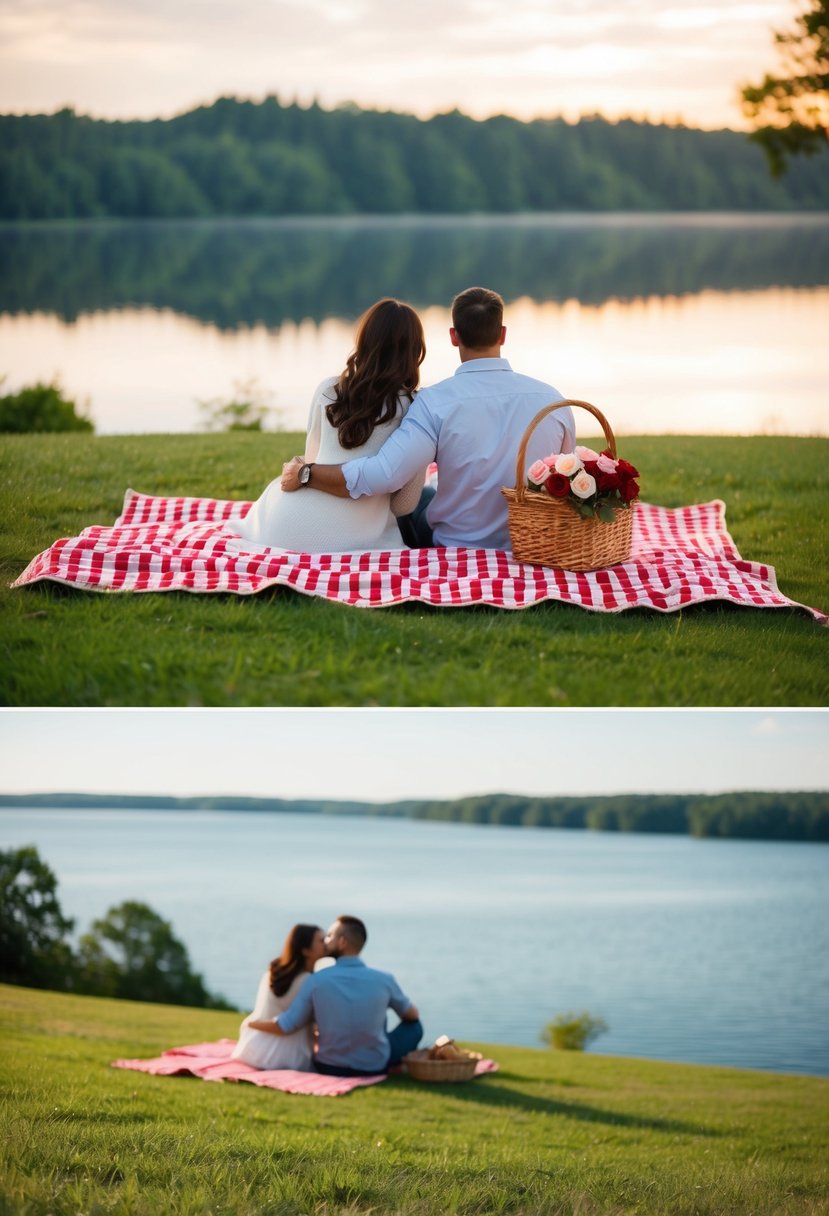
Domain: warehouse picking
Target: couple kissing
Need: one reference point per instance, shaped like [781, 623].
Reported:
[331, 1020]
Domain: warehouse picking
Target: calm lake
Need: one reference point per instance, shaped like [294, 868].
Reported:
[704, 951]
[671, 324]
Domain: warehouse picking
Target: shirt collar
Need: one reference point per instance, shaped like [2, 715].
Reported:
[484, 365]
[350, 960]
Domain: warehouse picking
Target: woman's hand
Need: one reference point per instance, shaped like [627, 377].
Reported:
[290, 474]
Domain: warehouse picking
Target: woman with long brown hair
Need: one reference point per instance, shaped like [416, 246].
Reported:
[304, 946]
[351, 415]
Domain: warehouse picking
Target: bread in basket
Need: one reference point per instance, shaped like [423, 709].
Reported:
[444, 1061]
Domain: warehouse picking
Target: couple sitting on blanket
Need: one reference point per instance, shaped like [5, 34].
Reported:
[347, 1003]
[371, 441]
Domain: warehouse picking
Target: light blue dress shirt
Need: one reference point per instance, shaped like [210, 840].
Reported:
[348, 1002]
[472, 424]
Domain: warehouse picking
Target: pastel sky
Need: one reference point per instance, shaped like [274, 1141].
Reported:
[656, 59]
[373, 755]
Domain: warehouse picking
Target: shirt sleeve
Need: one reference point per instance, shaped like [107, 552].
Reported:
[300, 1011]
[398, 1001]
[409, 449]
[568, 442]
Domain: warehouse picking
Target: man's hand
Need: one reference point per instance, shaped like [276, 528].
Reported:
[268, 1027]
[290, 474]
[326, 477]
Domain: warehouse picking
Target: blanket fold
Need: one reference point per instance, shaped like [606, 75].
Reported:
[213, 1062]
[680, 557]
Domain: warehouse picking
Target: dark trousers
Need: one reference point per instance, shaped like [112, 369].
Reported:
[402, 1039]
[415, 528]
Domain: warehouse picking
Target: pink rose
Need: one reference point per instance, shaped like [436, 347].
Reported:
[586, 453]
[538, 473]
[606, 463]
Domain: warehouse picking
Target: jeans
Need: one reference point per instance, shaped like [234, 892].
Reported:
[415, 528]
[402, 1039]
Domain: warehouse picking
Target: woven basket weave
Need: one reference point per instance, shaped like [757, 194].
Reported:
[549, 531]
[424, 1069]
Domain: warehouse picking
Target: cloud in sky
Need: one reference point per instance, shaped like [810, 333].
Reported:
[374, 755]
[144, 58]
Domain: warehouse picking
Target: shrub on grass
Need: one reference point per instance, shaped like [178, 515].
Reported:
[573, 1031]
[247, 409]
[41, 407]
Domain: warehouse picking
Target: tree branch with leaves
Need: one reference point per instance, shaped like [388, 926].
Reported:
[791, 111]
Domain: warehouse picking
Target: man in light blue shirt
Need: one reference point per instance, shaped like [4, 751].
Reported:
[472, 424]
[349, 1002]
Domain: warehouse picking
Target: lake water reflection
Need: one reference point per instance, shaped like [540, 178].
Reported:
[701, 951]
[702, 324]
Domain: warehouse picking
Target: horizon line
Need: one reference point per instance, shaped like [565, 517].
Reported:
[674, 123]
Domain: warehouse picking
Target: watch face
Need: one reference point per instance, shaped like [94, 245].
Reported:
[305, 475]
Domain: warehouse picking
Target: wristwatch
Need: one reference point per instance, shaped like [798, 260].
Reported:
[304, 474]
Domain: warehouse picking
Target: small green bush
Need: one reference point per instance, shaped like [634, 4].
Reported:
[42, 407]
[573, 1031]
[247, 409]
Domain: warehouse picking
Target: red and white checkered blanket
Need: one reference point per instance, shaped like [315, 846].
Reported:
[679, 557]
[213, 1062]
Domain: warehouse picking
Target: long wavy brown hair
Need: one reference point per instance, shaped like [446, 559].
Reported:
[291, 961]
[385, 363]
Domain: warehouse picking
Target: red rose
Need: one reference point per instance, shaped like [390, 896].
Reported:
[626, 469]
[591, 467]
[607, 481]
[558, 486]
[629, 490]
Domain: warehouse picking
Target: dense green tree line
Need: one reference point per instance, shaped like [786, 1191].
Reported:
[244, 158]
[131, 953]
[754, 815]
[750, 814]
[267, 272]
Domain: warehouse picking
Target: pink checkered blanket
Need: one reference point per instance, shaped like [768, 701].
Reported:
[680, 557]
[213, 1062]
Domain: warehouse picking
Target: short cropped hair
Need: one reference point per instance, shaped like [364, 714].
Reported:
[354, 930]
[478, 316]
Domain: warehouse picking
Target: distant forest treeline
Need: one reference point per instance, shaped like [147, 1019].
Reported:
[243, 158]
[752, 815]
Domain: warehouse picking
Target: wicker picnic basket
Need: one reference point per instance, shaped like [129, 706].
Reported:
[422, 1068]
[549, 531]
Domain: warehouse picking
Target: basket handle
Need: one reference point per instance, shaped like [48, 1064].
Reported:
[520, 460]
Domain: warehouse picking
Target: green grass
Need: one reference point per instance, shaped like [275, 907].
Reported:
[63, 647]
[549, 1133]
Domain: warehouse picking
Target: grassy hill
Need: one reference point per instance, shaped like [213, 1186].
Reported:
[550, 1133]
[61, 647]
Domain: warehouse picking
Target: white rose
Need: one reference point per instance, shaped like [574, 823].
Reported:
[568, 463]
[583, 485]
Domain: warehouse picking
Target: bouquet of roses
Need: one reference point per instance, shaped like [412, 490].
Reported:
[594, 483]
